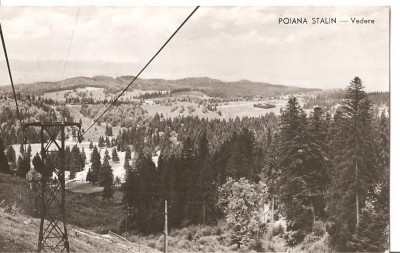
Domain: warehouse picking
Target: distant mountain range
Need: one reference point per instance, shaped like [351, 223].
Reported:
[211, 87]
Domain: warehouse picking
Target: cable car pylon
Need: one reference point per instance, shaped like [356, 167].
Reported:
[53, 235]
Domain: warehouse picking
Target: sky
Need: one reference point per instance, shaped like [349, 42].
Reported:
[226, 43]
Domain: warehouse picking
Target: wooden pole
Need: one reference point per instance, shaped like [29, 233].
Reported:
[166, 227]
[273, 208]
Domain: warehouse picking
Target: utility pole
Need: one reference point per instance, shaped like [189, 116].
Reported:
[166, 227]
[273, 208]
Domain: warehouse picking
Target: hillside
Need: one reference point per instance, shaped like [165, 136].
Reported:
[211, 87]
[86, 215]
[19, 233]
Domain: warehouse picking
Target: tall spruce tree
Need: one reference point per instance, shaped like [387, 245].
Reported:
[373, 231]
[3, 158]
[75, 162]
[317, 177]
[11, 154]
[293, 156]
[96, 164]
[102, 172]
[114, 155]
[106, 180]
[128, 154]
[353, 167]
[23, 165]
[83, 157]
[207, 185]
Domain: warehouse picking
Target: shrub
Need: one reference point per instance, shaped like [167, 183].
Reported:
[257, 245]
[278, 228]
[319, 228]
[184, 232]
[293, 237]
[321, 245]
[151, 245]
[310, 239]
[208, 244]
[206, 231]
[190, 236]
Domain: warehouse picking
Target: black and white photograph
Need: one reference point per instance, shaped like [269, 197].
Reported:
[196, 128]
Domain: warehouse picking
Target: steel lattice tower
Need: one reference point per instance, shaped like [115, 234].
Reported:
[53, 234]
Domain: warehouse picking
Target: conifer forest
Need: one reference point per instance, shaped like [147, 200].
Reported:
[318, 173]
[196, 129]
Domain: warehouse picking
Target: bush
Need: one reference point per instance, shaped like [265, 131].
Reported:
[190, 236]
[151, 245]
[257, 245]
[319, 228]
[278, 228]
[294, 237]
[208, 244]
[321, 245]
[206, 231]
[219, 231]
[310, 239]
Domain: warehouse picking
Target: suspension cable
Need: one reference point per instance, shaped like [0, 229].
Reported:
[70, 43]
[148, 63]
[9, 72]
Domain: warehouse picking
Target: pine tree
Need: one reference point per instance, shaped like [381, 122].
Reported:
[117, 181]
[3, 158]
[21, 149]
[96, 164]
[29, 150]
[207, 184]
[271, 173]
[91, 145]
[106, 179]
[106, 155]
[89, 176]
[294, 155]
[23, 165]
[107, 142]
[317, 177]
[354, 167]
[128, 154]
[115, 157]
[373, 235]
[187, 178]
[127, 166]
[11, 154]
[83, 157]
[101, 142]
[75, 162]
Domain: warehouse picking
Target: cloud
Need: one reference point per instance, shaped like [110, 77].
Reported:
[220, 42]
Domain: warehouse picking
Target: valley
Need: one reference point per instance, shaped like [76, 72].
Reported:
[172, 144]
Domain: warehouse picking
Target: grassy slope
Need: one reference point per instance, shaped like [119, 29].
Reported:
[84, 210]
[18, 231]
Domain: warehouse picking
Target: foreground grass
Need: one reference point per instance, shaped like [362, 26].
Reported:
[19, 233]
[217, 239]
[87, 211]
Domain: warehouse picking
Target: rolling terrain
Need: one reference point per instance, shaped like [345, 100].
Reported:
[211, 87]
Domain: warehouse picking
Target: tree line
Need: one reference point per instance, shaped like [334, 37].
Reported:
[317, 167]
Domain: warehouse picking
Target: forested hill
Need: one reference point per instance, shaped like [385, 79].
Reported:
[211, 87]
